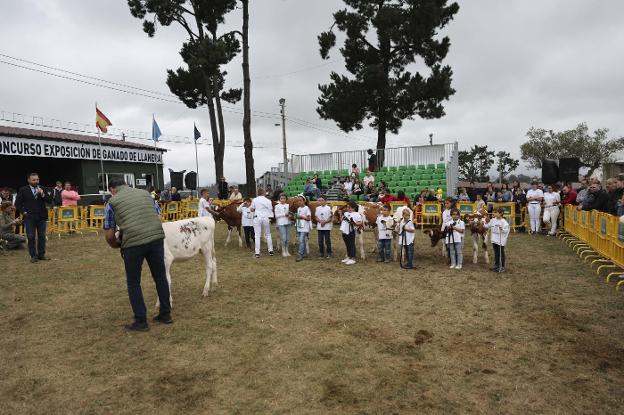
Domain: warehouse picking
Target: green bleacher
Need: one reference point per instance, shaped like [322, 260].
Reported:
[410, 179]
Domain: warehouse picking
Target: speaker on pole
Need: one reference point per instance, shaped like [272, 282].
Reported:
[550, 172]
[569, 169]
[190, 180]
[177, 179]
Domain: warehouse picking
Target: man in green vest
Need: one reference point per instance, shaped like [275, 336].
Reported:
[141, 237]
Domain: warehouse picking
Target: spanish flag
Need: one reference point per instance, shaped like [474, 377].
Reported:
[101, 121]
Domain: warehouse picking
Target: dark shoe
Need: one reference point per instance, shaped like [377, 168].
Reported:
[494, 269]
[501, 270]
[137, 326]
[329, 256]
[270, 253]
[379, 260]
[387, 260]
[164, 319]
[257, 256]
[44, 258]
[33, 260]
[299, 259]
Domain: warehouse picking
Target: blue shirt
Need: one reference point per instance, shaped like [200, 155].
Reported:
[109, 215]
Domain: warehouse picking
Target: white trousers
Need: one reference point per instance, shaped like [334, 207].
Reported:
[551, 214]
[534, 216]
[262, 225]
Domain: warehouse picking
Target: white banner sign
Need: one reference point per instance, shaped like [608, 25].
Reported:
[28, 147]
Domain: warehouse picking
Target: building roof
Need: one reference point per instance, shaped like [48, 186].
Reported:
[76, 138]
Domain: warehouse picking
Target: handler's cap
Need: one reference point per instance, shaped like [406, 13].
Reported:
[320, 197]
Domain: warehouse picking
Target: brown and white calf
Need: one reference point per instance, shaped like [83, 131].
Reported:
[233, 218]
[479, 233]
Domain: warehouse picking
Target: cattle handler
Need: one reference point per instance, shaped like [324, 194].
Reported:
[141, 237]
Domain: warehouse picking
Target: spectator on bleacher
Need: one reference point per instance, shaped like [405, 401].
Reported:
[316, 181]
[355, 171]
[165, 196]
[596, 198]
[57, 199]
[236, 194]
[310, 191]
[582, 191]
[440, 193]
[6, 195]
[383, 185]
[69, 197]
[490, 194]
[7, 226]
[479, 203]
[370, 193]
[431, 197]
[401, 197]
[369, 178]
[472, 192]
[385, 197]
[222, 188]
[372, 160]
[357, 187]
[507, 195]
[175, 195]
[348, 187]
[463, 195]
[614, 195]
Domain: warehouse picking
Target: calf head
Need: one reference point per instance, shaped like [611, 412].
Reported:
[435, 234]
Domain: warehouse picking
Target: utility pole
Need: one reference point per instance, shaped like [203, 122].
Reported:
[431, 139]
[282, 103]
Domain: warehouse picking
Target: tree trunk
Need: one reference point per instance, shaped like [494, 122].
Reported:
[218, 156]
[250, 173]
[221, 144]
[381, 143]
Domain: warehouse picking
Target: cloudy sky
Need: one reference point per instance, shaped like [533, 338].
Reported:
[516, 63]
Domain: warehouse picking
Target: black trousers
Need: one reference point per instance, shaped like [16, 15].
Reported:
[249, 235]
[154, 253]
[324, 241]
[349, 240]
[499, 256]
[34, 224]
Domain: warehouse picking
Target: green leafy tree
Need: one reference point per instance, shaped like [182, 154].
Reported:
[382, 89]
[592, 150]
[475, 164]
[204, 52]
[505, 164]
[521, 178]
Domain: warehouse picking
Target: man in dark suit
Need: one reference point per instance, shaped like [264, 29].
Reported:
[31, 201]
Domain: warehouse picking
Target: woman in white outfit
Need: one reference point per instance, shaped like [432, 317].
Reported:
[552, 201]
[534, 199]
[263, 211]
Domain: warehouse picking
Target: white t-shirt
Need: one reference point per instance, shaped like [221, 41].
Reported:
[368, 179]
[383, 223]
[499, 229]
[281, 214]
[345, 226]
[457, 236]
[302, 224]
[534, 193]
[551, 199]
[409, 236]
[323, 213]
[348, 186]
[263, 207]
[246, 215]
[446, 215]
[201, 207]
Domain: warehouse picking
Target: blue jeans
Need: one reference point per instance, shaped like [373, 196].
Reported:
[284, 233]
[302, 236]
[456, 252]
[154, 253]
[409, 255]
[34, 223]
[384, 248]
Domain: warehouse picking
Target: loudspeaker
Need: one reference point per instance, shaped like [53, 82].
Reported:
[569, 169]
[177, 179]
[190, 180]
[550, 172]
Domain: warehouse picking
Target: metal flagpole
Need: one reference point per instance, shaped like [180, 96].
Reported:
[196, 166]
[156, 150]
[101, 161]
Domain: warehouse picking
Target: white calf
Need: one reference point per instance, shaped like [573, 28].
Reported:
[186, 238]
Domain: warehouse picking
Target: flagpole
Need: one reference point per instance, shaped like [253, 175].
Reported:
[156, 150]
[101, 161]
[196, 167]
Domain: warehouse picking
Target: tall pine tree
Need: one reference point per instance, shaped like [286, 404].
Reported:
[382, 39]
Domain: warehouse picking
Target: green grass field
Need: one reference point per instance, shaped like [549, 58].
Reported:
[313, 338]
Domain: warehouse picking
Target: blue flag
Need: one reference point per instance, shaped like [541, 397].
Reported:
[196, 133]
[155, 130]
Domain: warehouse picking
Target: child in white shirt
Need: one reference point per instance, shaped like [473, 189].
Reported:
[323, 216]
[406, 233]
[499, 232]
[282, 221]
[350, 221]
[303, 220]
[449, 204]
[247, 221]
[385, 223]
[455, 229]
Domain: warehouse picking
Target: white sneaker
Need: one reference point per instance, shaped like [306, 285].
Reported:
[458, 267]
[350, 262]
[452, 267]
[344, 261]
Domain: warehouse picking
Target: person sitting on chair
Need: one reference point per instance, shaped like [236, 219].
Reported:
[7, 227]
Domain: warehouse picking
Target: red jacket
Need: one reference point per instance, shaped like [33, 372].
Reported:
[570, 198]
[387, 199]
